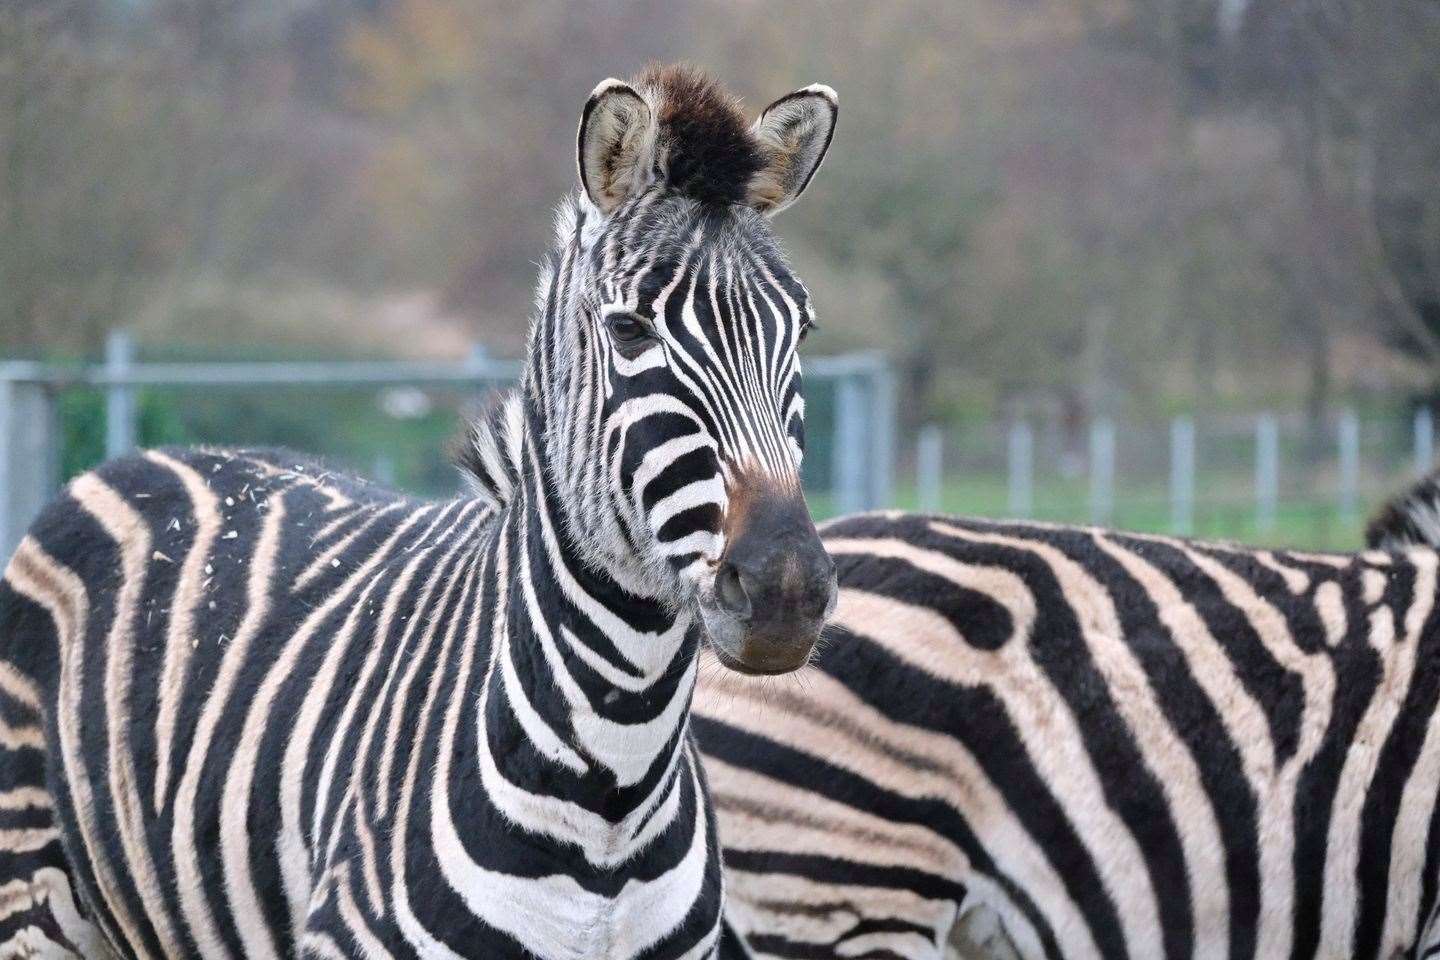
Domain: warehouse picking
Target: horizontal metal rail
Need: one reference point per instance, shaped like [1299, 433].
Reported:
[357, 373]
[30, 437]
[262, 374]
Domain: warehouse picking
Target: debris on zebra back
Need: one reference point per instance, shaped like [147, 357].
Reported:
[252, 708]
[1076, 743]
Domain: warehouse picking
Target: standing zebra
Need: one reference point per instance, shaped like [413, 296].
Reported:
[249, 708]
[1120, 746]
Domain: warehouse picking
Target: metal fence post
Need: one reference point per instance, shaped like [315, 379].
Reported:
[850, 445]
[10, 521]
[119, 398]
[1182, 475]
[29, 453]
[1267, 471]
[929, 468]
[1349, 442]
[1102, 470]
[482, 367]
[882, 433]
[1424, 441]
[1020, 458]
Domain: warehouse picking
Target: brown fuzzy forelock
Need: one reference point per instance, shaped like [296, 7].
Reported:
[708, 151]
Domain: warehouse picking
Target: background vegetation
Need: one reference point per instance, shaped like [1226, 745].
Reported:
[1052, 209]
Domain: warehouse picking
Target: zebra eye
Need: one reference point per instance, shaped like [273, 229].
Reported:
[626, 327]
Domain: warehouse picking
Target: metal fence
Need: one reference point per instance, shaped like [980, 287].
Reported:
[1270, 476]
[851, 421]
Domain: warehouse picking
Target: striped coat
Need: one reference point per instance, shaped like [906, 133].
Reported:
[1119, 745]
[231, 766]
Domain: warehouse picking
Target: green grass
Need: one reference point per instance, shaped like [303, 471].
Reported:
[1222, 512]
[348, 428]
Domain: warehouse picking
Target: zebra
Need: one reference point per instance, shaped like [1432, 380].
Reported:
[1089, 744]
[253, 708]
[1412, 518]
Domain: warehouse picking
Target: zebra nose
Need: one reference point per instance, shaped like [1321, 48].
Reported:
[779, 590]
[731, 592]
[808, 594]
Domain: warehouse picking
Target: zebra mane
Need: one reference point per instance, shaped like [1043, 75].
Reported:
[710, 152]
[488, 454]
[1411, 519]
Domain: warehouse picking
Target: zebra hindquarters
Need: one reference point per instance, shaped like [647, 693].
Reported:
[38, 913]
[39, 916]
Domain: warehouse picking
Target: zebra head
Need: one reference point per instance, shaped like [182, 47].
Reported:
[663, 366]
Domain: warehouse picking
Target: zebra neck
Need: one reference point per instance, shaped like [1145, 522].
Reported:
[587, 698]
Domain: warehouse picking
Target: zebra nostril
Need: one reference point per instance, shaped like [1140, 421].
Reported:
[730, 591]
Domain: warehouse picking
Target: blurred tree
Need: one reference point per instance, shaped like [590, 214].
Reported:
[1076, 204]
[90, 199]
[1354, 88]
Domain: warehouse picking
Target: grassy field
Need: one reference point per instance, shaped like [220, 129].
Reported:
[1300, 523]
[351, 429]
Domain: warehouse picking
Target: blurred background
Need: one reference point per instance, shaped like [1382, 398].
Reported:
[1167, 264]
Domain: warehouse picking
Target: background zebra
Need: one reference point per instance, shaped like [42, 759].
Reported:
[251, 708]
[1119, 745]
[1410, 519]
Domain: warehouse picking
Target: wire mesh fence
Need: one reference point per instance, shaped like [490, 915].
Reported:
[1272, 477]
[391, 421]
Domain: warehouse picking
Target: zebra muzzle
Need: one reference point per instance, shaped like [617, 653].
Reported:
[773, 588]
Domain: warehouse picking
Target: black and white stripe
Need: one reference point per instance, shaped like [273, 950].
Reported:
[1410, 519]
[1119, 745]
[250, 708]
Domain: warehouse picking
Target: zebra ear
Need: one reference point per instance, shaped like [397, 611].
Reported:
[794, 132]
[616, 144]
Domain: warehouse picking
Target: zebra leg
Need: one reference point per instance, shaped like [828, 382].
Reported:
[38, 913]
